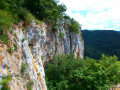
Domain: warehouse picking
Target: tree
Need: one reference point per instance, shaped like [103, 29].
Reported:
[69, 73]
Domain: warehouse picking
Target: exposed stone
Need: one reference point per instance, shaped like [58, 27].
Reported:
[36, 45]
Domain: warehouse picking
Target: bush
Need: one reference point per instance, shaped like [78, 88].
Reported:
[42, 57]
[67, 73]
[1, 30]
[74, 26]
[30, 85]
[23, 14]
[23, 67]
[62, 34]
[5, 83]
[15, 47]
[10, 50]
[55, 27]
[4, 37]
[5, 19]
[23, 39]
[66, 17]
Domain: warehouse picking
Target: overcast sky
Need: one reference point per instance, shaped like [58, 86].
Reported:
[95, 14]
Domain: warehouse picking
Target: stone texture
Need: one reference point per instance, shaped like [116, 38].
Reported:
[36, 45]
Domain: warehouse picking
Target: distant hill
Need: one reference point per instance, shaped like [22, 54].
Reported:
[100, 42]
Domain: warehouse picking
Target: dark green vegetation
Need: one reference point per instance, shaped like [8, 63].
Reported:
[49, 11]
[101, 42]
[67, 73]
[5, 82]
[30, 85]
[23, 67]
[74, 26]
[10, 50]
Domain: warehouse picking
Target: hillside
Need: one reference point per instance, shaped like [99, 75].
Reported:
[100, 42]
[31, 36]
[41, 48]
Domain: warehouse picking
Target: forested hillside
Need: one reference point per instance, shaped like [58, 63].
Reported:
[101, 42]
[37, 35]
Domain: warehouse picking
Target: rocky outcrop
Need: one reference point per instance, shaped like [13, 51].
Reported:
[57, 44]
[36, 44]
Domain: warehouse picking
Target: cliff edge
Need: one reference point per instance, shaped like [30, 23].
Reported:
[32, 46]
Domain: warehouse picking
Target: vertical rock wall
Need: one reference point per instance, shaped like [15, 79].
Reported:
[35, 45]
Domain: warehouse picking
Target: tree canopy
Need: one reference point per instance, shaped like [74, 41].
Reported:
[67, 73]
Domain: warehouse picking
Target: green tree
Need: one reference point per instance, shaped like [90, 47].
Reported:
[67, 73]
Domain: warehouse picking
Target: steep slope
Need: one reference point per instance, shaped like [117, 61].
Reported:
[101, 42]
[31, 46]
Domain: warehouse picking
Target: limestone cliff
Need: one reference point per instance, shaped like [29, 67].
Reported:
[36, 44]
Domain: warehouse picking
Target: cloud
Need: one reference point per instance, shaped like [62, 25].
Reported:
[95, 14]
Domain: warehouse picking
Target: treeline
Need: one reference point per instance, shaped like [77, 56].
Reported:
[67, 73]
[49, 11]
[101, 42]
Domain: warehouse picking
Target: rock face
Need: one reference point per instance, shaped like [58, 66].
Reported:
[36, 44]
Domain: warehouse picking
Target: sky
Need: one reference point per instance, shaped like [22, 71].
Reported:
[95, 14]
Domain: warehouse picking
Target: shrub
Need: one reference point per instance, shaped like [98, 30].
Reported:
[15, 47]
[74, 26]
[10, 50]
[1, 30]
[23, 39]
[42, 57]
[67, 73]
[62, 34]
[55, 27]
[30, 85]
[66, 17]
[5, 19]
[22, 13]
[23, 67]
[5, 83]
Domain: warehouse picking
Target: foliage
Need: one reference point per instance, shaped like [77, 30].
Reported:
[30, 85]
[13, 11]
[4, 38]
[10, 50]
[23, 67]
[1, 30]
[42, 57]
[23, 14]
[45, 9]
[61, 8]
[23, 39]
[5, 83]
[74, 26]
[55, 27]
[67, 73]
[66, 17]
[5, 19]
[15, 46]
[62, 34]
[101, 42]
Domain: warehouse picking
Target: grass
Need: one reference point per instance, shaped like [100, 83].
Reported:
[7, 18]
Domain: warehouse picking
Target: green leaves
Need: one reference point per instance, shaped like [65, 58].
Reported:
[5, 82]
[74, 26]
[87, 74]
